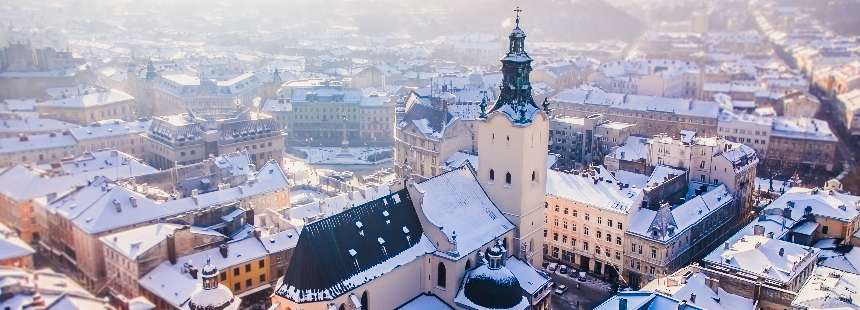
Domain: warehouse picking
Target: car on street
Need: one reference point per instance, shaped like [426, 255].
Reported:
[551, 266]
[562, 269]
[560, 289]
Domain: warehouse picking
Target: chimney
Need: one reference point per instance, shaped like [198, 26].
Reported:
[223, 249]
[171, 248]
[133, 201]
[693, 297]
[713, 284]
[622, 303]
[193, 272]
[758, 230]
[117, 205]
[781, 251]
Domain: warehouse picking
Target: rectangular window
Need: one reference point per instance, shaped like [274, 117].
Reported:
[223, 276]
[247, 267]
[249, 282]
[262, 278]
[237, 286]
[236, 271]
[609, 223]
[262, 263]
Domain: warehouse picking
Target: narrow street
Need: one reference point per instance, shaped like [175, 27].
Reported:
[587, 295]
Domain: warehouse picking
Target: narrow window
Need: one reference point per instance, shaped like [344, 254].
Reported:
[508, 178]
[492, 175]
[440, 275]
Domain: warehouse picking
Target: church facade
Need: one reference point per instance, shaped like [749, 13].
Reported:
[465, 239]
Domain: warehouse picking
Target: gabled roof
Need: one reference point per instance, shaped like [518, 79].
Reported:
[351, 248]
[429, 120]
[457, 205]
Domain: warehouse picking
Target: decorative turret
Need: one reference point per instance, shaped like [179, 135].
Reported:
[515, 99]
[212, 295]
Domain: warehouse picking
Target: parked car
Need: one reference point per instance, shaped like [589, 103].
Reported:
[562, 269]
[560, 289]
[551, 266]
[581, 276]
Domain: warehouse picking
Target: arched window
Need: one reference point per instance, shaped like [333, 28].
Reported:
[492, 175]
[468, 264]
[342, 307]
[534, 176]
[508, 178]
[364, 302]
[441, 275]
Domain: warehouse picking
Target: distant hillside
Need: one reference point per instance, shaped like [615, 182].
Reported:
[578, 20]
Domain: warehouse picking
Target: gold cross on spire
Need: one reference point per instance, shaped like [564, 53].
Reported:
[517, 11]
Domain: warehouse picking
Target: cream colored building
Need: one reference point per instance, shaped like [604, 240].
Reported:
[90, 107]
[587, 214]
[53, 147]
[427, 136]
[72, 225]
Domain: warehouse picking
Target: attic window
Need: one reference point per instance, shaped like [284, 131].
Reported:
[359, 224]
[385, 213]
[405, 230]
[352, 252]
[380, 240]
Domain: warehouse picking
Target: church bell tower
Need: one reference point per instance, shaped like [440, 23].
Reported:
[512, 150]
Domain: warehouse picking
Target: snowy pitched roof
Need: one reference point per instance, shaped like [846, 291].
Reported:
[531, 280]
[23, 183]
[51, 285]
[595, 96]
[428, 120]
[89, 100]
[829, 289]
[847, 262]
[137, 241]
[803, 128]
[457, 205]
[667, 223]
[11, 246]
[33, 125]
[103, 206]
[773, 259]
[824, 203]
[600, 190]
[634, 148]
[645, 300]
[705, 297]
[425, 302]
[351, 248]
[173, 284]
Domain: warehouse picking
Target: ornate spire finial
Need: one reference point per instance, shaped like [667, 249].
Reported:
[517, 11]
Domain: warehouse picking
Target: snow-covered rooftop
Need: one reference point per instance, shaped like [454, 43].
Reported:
[600, 189]
[89, 100]
[596, 96]
[773, 259]
[134, 242]
[457, 205]
[11, 246]
[707, 297]
[668, 223]
[829, 289]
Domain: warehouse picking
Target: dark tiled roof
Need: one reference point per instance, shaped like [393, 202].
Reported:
[322, 259]
[436, 118]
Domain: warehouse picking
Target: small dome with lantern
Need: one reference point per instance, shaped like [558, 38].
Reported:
[212, 295]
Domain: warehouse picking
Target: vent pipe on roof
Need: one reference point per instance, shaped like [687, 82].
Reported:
[223, 249]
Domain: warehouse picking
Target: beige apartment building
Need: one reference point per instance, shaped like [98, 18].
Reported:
[662, 240]
[52, 147]
[184, 139]
[587, 214]
[652, 115]
[426, 137]
[132, 253]
[73, 224]
[88, 108]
